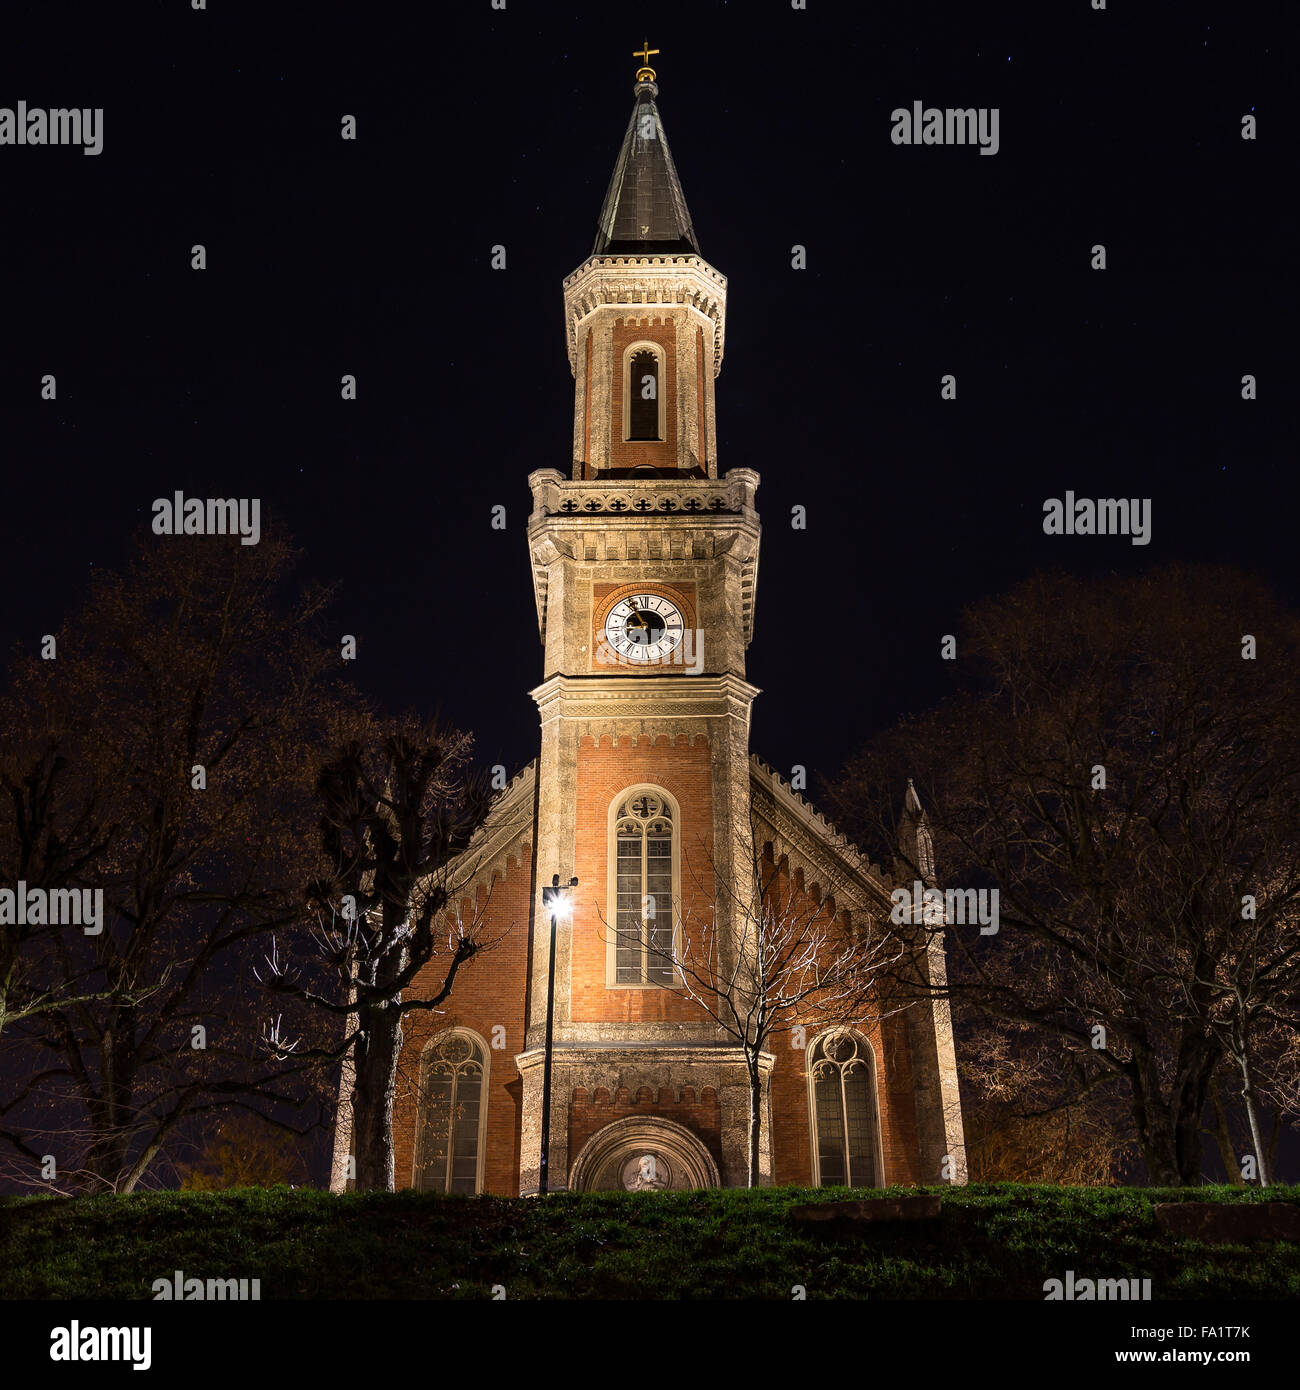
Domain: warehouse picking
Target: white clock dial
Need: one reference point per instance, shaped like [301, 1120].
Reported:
[644, 628]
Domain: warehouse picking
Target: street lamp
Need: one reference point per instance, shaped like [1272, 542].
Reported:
[557, 898]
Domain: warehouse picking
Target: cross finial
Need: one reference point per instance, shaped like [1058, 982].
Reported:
[645, 73]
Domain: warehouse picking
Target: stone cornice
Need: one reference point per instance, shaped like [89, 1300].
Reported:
[637, 696]
[642, 283]
[645, 520]
[643, 501]
[606, 1053]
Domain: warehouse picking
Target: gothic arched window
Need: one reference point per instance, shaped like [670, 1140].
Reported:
[643, 856]
[844, 1124]
[452, 1113]
[643, 388]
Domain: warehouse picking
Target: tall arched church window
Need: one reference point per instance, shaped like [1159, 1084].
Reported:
[644, 382]
[452, 1113]
[644, 859]
[845, 1125]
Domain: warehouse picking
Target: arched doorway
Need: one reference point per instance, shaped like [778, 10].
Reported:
[643, 1153]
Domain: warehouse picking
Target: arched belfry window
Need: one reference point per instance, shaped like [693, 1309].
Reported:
[643, 408]
[644, 871]
[452, 1113]
[844, 1117]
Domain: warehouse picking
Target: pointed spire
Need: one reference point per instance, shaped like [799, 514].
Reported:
[645, 210]
[914, 840]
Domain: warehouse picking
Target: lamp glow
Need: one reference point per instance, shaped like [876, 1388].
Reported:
[559, 904]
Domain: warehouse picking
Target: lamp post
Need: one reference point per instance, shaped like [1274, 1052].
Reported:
[556, 897]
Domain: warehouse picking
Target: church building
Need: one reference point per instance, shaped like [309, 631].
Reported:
[645, 789]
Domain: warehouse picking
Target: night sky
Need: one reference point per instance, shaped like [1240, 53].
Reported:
[478, 127]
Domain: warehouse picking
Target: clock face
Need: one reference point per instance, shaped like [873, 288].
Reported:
[644, 628]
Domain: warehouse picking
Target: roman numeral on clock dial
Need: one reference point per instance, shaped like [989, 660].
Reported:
[644, 628]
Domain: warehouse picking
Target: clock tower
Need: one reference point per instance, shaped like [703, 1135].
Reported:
[645, 566]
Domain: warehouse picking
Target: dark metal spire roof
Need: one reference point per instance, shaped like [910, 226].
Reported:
[645, 210]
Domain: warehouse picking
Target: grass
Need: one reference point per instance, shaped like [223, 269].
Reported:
[992, 1242]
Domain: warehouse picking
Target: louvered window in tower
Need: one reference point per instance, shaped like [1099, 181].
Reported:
[643, 395]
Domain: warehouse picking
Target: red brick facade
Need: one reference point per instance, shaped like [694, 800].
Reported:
[590, 1113]
[490, 995]
[684, 770]
[489, 998]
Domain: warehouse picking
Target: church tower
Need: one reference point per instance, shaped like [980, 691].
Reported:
[645, 564]
[645, 568]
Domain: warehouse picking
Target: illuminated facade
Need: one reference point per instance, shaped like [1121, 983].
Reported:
[645, 569]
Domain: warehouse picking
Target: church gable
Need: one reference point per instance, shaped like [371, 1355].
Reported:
[509, 830]
[818, 852]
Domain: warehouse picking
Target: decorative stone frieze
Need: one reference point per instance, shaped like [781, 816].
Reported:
[583, 531]
[646, 281]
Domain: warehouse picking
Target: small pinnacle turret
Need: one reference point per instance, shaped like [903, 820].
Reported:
[915, 842]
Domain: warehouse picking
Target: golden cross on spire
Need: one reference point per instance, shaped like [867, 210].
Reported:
[645, 73]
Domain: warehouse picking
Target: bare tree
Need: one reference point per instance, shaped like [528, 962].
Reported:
[399, 811]
[53, 829]
[1031, 1116]
[1254, 1001]
[164, 758]
[1123, 765]
[242, 1150]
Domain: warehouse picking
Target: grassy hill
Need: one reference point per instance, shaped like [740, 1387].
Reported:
[991, 1242]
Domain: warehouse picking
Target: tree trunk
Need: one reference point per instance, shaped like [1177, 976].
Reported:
[379, 1044]
[109, 1111]
[1169, 1128]
[106, 1158]
[1154, 1132]
[377, 1050]
[1189, 1113]
[1248, 1099]
[755, 1119]
[1223, 1137]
